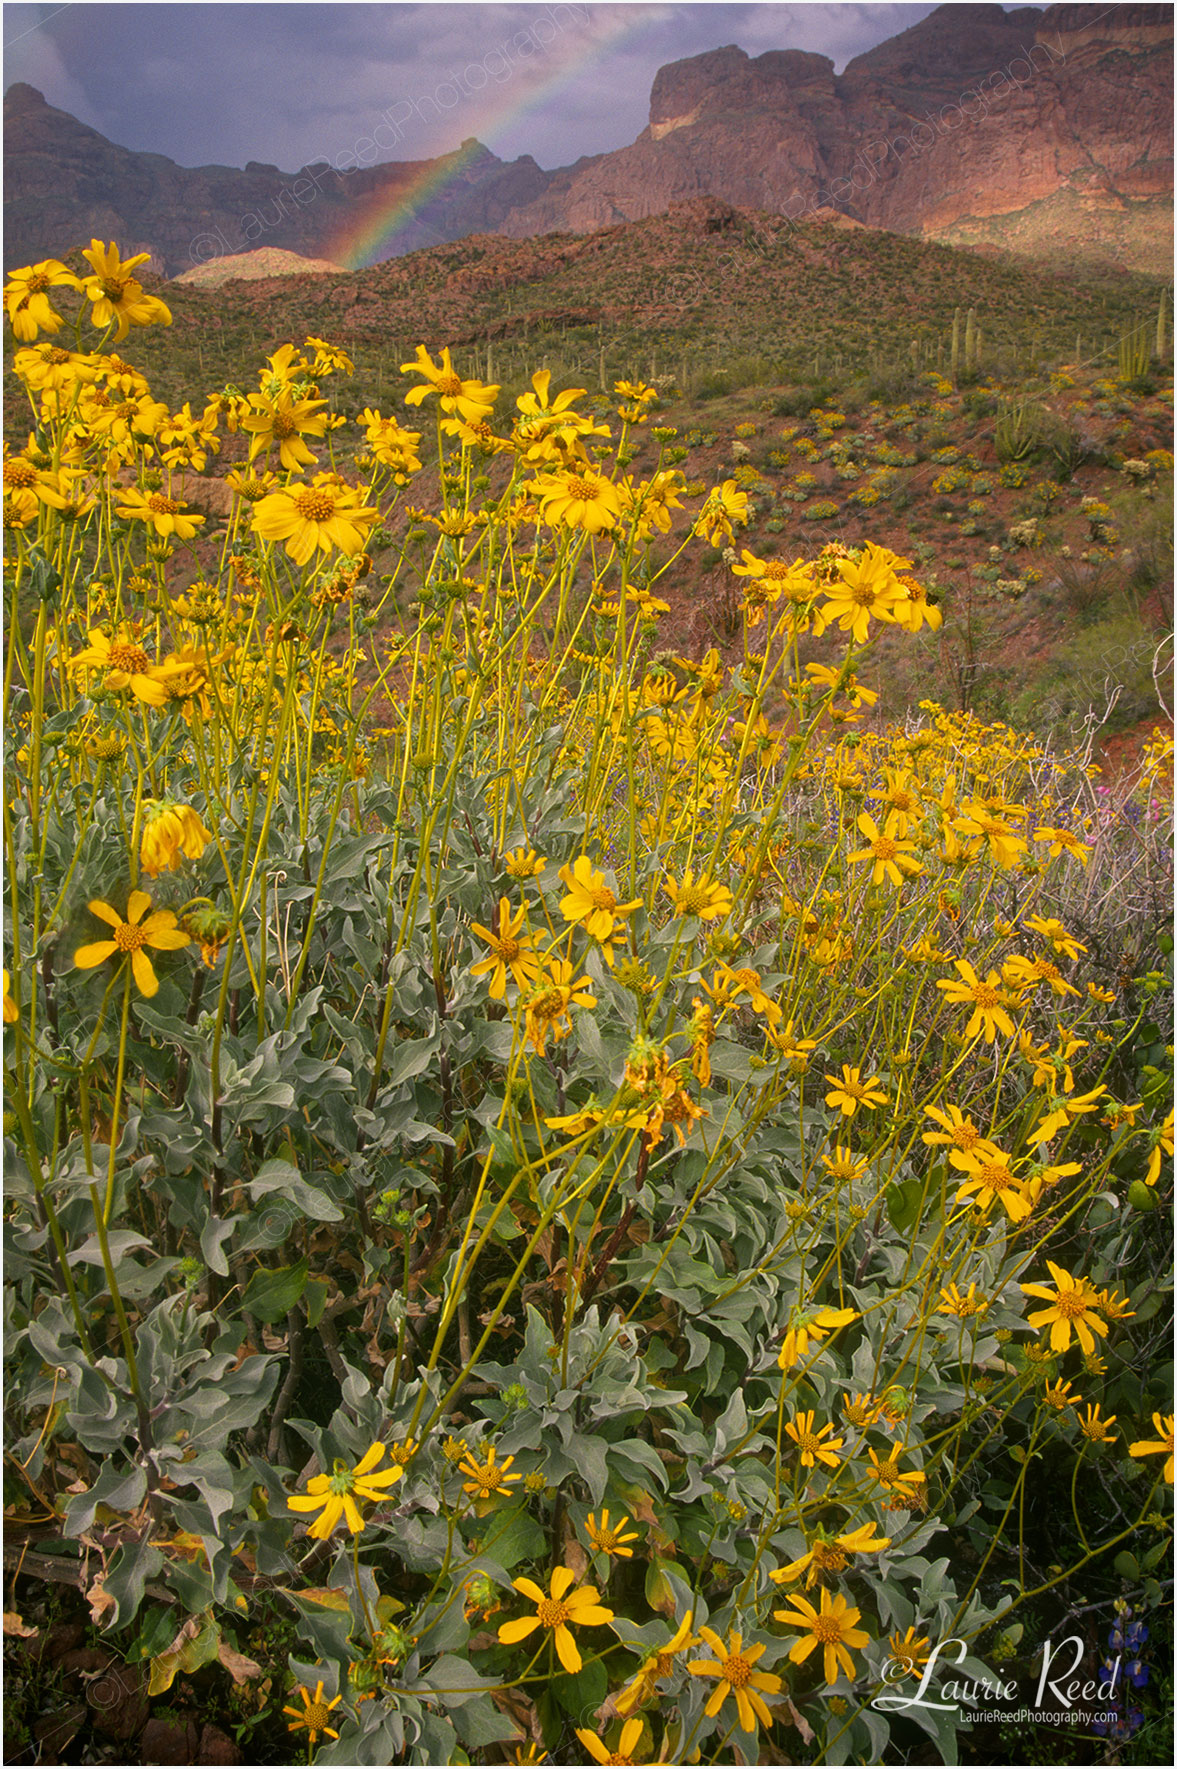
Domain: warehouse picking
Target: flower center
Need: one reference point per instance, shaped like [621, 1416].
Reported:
[583, 489]
[693, 899]
[115, 288]
[162, 506]
[885, 848]
[124, 656]
[318, 1715]
[20, 474]
[548, 1005]
[284, 426]
[888, 1472]
[37, 284]
[995, 1178]
[864, 595]
[985, 995]
[315, 506]
[737, 1671]
[602, 897]
[553, 1614]
[807, 1441]
[449, 386]
[129, 938]
[1071, 1304]
[827, 1557]
[826, 1628]
[966, 1136]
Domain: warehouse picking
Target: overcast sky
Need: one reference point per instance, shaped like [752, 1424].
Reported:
[289, 84]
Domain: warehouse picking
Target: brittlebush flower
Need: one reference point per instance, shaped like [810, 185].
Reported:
[811, 1443]
[315, 1713]
[489, 1477]
[1096, 1428]
[908, 1652]
[733, 1666]
[827, 1557]
[609, 1538]
[126, 665]
[892, 857]
[511, 950]
[157, 930]
[334, 1495]
[117, 295]
[325, 515]
[810, 1325]
[851, 1091]
[11, 1011]
[832, 1627]
[284, 420]
[599, 1751]
[473, 400]
[702, 897]
[579, 498]
[1073, 1304]
[26, 298]
[869, 588]
[591, 903]
[959, 1134]
[1161, 1445]
[653, 1669]
[560, 1612]
[987, 1000]
[171, 833]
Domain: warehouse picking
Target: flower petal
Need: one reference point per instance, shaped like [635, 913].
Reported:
[143, 972]
[87, 956]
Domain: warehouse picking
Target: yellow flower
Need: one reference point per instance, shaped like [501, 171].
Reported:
[831, 1627]
[851, 1091]
[609, 1538]
[909, 1651]
[725, 506]
[960, 1134]
[126, 665]
[659, 1664]
[591, 903]
[117, 295]
[158, 931]
[1161, 1445]
[1097, 1429]
[560, 1612]
[1073, 1303]
[904, 1484]
[285, 421]
[579, 498]
[986, 998]
[163, 514]
[315, 1713]
[1062, 840]
[702, 897]
[811, 1325]
[1059, 1395]
[334, 1495]
[953, 1303]
[827, 1557]
[325, 514]
[11, 1011]
[1162, 1149]
[733, 1666]
[1056, 933]
[1005, 845]
[27, 302]
[170, 833]
[991, 1177]
[810, 1442]
[869, 587]
[548, 1004]
[599, 1751]
[844, 1165]
[488, 1477]
[471, 399]
[892, 857]
[511, 949]
[524, 863]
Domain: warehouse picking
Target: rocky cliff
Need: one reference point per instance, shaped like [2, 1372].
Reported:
[1040, 130]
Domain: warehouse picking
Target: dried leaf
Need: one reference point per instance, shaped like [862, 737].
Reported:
[99, 1600]
[15, 1626]
[240, 1668]
[799, 1721]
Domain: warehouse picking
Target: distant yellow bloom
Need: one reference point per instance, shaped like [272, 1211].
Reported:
[987, 999]
[812, 1444]
[511, 950]
[1161, 1445]
[1005, 844]
[1056, 933]
[960, 1135]
[702, 897]
[1072, 1304]
[609, 1538]
[843, 1165]
[524, 863]
[952, 1302]
[334, 1495]
[725, 507]
[850, 1091]
[117, 295]
[832, 1627]
[909, 1651]
[902, 1484]
[990, 1178]
[488, 1477]
[1062, 841]
[733, 1666]
[315, 1713]
[1060, 1395]
[163, 514]
[560, 1612]
[139, 929]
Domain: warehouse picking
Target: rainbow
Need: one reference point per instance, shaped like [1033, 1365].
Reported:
[374, 231]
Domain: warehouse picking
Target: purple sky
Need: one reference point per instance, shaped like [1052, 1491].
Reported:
[289, 84]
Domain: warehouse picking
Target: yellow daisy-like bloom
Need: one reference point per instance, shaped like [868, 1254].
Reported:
[591, 903]
[832, 1627]
[1073, 1304]
[1161, 1445]
[524, 863]
[1097, 1429]
[902, 1483]
[1056, 933]
[725, 507]
[579, 497]
[609, 1538]
[1062, 841]
[850, 1091]
[171, 833]
[992, 1178]
[1064, 1110]
[314, 1714]
[733, 1665]
[1059, 1395]
[159, 512]
[334, 1495]
[159, 931]
[285, 421]
[810, 1326]
[1005, 844]
[547, 1007]
[26, 298]
[828, 1557]
[318, 517]
[11, 1011]
[472, 400]
[909, 1652]
[126, 665]
[869, 588]
[811, 1443]
[952, 1302]
[987, 999]
[119, 296]
[861, 1410]
[844, 1165]
[599, 1751]
[702, 897]
[1162, 1150]
[489, 1477]
[913, 608]
[959, 1134]
[1027, 973]
[511, 950]
[653, 1669]
[560, 1612]
[892, 856]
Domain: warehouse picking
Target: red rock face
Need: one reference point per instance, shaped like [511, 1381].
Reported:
[971, 116]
